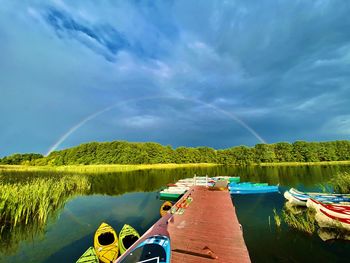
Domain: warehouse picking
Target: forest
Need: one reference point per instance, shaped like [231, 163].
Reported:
[122, 152]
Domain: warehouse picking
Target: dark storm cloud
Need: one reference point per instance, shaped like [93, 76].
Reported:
[281, 67]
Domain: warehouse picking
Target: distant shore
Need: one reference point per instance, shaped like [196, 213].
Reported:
[102, 167]
[135, 167]
[305, 163]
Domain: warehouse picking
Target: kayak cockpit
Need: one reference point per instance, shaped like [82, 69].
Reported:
[129, 240]
[106, 238]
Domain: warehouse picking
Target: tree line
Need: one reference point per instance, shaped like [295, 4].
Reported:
[122, 152]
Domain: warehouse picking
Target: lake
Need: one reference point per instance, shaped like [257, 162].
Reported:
[132, 198]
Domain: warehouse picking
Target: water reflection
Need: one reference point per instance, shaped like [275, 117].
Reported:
[74, 222]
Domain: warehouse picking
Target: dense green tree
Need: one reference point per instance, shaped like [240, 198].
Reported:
[299, 151]
[342, 150]
[264, 153]
[19, 158]
[283, 152]
[122, 152]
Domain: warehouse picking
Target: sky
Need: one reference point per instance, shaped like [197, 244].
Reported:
[180, 73]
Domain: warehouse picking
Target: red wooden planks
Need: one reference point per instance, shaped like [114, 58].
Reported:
[208, 231]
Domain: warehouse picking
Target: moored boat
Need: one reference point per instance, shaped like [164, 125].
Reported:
[166, 206]
[154, 249]
[89, 256]
[247, 184]
[127, 237]
[337, 210]
[254, 190]
[234, 179]
[228, 178]
[325, 219]
[296, 197]
[106, 243]
[175, 189]
[169, 196]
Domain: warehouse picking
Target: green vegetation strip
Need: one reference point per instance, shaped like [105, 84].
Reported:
[102, 168]
[35, 200]
[305, 163]
[122, 152]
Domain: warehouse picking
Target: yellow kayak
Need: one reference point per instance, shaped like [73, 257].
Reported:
[106, 243]
[165, 208]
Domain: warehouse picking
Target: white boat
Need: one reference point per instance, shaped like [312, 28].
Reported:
[176, 189]
[336, 210]
[200, 183]
[326, 220]
[294, 200]
[299, 198]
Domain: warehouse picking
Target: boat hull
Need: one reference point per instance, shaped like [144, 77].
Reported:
[254, 190]
[300, 198]
[336, 210]
[170, 196]
[154, 249]
[328, 221]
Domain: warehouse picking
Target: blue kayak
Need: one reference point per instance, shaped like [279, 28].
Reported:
[154, 249]
[247, 184]
[248, 189]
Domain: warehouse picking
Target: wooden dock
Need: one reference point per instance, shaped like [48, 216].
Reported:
[207, 231]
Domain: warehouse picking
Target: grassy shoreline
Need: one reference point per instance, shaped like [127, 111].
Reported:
[135, 167]
[103, 167]
[305, 163]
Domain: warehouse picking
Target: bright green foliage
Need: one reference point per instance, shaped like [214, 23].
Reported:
[122, 152]
[264, 153]
[18, 158]
[341, 182]
[300, 150]
[283, 152]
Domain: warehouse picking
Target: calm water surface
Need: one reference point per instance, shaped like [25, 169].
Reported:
[132, 198]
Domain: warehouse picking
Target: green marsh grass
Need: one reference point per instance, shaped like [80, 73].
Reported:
[277, 218]
[34, 200]
[304, 221]
[102, 168]
[29, 199]
[341, 182]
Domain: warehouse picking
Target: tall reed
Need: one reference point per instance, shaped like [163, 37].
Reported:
[277, 218]
[304, 222]
[341, 182]
[35, 200]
